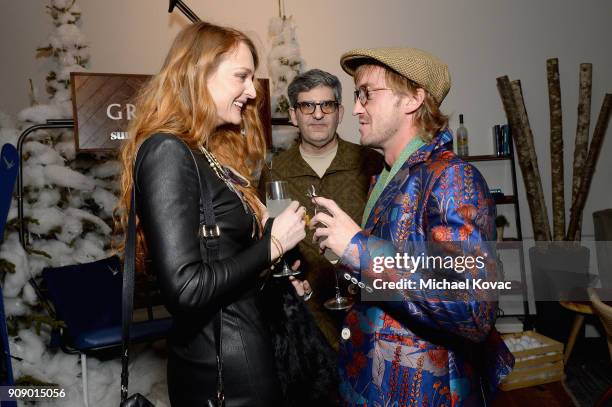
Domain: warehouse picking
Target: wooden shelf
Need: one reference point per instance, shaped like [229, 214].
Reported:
[510, 243]
[281, 121]
[489, 157]
[505, 199]
[517, 288]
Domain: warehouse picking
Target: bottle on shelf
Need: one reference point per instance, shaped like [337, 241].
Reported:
[462, 139]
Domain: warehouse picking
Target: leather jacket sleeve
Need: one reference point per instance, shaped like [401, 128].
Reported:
[168, 205]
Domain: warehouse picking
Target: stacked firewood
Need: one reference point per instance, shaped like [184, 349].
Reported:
[585, 155]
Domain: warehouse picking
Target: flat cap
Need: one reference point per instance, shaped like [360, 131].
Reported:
[419, 66]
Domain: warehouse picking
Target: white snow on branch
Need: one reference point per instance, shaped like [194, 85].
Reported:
[71, 229]
[106, 170]
[33, 176]
[66, 149]
[42, 154]
[60, 252]
[47, 198]
[81, 214]
[15, 307]
[42, 113]
[87, 251]
[29, 294]
[284, 61]
[67, 35]
[66, 177]
[49, 218]
[11, 251]
[106, 200]
[62, 4]
[64, 73]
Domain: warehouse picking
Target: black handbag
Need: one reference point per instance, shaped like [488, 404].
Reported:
[209, 235]
[136, 400]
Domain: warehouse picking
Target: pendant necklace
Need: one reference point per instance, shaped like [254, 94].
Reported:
[230, 177]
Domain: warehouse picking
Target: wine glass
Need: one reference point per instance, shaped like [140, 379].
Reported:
[339, 302]
[277, 200]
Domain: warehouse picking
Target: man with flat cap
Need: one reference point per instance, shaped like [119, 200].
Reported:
[416, 345]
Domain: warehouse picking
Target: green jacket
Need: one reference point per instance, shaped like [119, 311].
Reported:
[347, 182]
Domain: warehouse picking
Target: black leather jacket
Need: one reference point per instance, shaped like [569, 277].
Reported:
[194, 289]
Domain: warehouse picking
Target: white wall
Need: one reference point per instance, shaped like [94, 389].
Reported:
[479, 39]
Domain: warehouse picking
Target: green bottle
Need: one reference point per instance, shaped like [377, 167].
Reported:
[462, 139]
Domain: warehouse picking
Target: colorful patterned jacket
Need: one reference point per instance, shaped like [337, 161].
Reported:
[426, 349]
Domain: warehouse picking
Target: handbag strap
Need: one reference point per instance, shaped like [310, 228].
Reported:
[209, 245]
[128, 292]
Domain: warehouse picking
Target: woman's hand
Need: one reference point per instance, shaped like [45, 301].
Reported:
[288, 229]
[302, 288]
[264, 211]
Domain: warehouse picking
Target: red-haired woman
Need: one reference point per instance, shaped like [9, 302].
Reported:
[204, 99]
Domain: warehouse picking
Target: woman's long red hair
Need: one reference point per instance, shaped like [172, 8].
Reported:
[177, 101]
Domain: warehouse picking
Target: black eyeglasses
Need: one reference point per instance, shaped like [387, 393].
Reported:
[363, 94]
[327, 106]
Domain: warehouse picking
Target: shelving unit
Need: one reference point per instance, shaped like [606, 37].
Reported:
[515, 243]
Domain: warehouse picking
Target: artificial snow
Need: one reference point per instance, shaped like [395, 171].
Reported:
[50, 218]
[47, 198]
[66, 149]
[42, 154]
[67, 34]
[15, 307]
[11, 251]
[33, 175]
[66, 177]
[106, 170]
[284, 62]
[59, 197]
[81, 214]
[71, 229]
[106, 200]
[42, 113]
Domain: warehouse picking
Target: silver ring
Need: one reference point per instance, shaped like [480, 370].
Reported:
[308, 295]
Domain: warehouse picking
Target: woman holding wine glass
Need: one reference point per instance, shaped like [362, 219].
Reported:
[197, 128]
[277, 200]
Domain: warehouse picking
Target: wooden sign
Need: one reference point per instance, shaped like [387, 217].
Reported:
[103, 105]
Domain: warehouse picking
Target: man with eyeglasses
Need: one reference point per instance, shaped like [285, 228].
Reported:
[336, 168]
[414, 345]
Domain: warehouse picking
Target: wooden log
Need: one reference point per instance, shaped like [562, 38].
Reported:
[556, 148]
[526, 157]
[589, 168]
[542, 214]
[581, 145]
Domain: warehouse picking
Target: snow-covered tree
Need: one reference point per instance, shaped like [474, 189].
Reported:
[284, 62]
[68, 204]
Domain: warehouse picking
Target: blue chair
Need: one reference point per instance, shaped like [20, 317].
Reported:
[87, 298]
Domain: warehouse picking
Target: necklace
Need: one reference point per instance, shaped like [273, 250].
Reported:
[229, 176]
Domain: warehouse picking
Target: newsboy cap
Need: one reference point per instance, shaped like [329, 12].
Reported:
[419, 66]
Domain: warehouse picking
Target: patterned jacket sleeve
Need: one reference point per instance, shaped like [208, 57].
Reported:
[459, 211]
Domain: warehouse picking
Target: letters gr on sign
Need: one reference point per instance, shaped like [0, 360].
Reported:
[115, 111]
